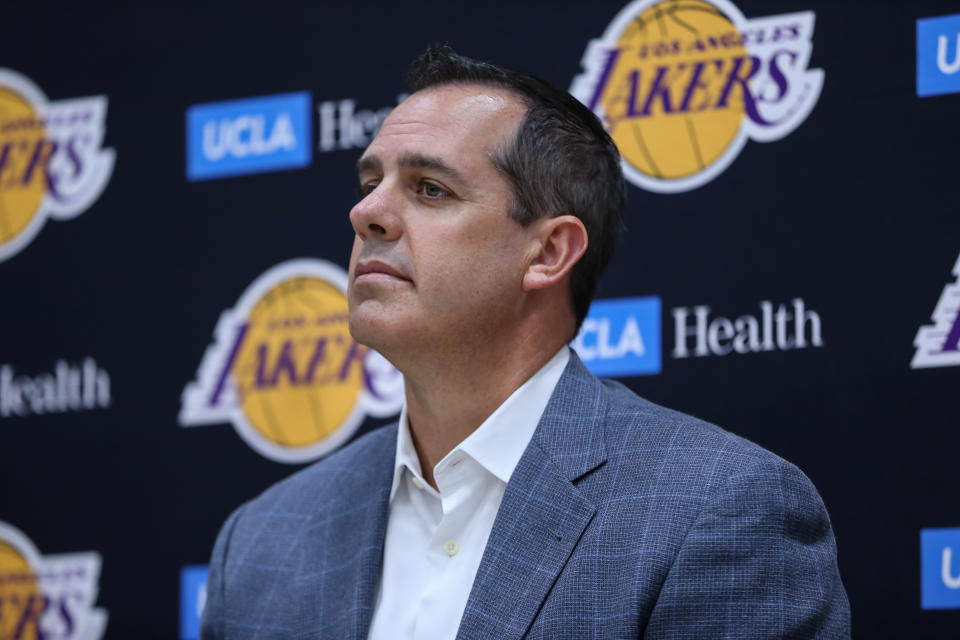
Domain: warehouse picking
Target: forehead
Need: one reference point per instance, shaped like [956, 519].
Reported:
[461, 119]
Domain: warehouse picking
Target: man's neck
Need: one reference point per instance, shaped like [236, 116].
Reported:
[448, 402]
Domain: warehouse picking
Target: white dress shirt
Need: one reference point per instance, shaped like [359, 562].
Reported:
[435, 539]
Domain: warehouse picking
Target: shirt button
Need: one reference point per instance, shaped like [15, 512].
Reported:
[416, 482]
[450, 547]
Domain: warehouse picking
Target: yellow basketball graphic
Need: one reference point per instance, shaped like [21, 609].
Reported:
[23, 154]
[52, 163]
[18, 590]
[285, 371]
[299, 373]
[662, 97]
[682, 85]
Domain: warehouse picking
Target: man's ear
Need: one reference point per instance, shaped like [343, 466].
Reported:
[560, 242]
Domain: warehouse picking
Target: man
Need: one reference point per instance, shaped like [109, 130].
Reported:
[519, 496]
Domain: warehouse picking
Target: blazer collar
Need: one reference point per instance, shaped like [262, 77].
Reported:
[571, 430]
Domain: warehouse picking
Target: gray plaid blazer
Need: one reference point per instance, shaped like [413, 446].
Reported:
[622, 520]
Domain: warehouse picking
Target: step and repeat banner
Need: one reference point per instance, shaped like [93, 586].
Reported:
[174, 190]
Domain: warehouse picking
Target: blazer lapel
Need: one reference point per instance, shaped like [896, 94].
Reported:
[342, 562]
[543, 515]
[370, 563]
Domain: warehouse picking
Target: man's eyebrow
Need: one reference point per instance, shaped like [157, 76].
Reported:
[372, 164]
[369, 164]
[420, 161]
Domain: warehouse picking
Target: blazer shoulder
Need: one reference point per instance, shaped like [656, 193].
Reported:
[590, 420]
[273, 550]
[633, 421]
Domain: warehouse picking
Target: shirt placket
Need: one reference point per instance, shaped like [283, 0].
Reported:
[445, 546]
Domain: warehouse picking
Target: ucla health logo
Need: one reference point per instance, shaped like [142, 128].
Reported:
[342, 126]
[47, 596]
[938, 55]
[699, 333]
[940, 568]
[252, 135]
[285, 371]
[938, 345]
[681, 87]
[52, 164]
[621, 337]
[68, 388]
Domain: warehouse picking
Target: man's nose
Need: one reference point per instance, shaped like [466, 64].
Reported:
[375, 216]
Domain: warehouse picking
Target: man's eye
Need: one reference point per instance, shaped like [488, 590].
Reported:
[433, 191]
[365, 189]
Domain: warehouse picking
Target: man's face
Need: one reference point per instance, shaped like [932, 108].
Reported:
[436, 259]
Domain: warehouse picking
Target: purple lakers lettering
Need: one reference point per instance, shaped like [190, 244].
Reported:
[699, 86]
[278, 364]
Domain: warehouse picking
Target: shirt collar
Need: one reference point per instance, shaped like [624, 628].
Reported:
[499, 442]
[406, 457]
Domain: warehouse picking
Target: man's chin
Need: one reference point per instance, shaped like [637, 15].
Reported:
[391, 335]
[369, 328]
[360, 332]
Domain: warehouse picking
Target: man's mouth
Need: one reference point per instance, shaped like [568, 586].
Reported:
[376, 270]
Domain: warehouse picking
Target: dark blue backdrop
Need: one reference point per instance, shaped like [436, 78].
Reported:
[854, 212]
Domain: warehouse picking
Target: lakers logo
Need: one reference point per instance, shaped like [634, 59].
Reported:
[285, 370]
[681, 85]
[51, 160]
[47, 597]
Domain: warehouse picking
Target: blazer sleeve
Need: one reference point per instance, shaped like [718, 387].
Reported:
[214, 614]
[759, 562]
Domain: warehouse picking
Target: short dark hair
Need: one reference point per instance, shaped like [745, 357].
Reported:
[561, 160]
